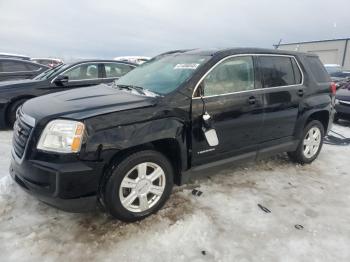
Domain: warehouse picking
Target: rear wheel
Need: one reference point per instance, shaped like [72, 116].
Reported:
[11, 113]
[138, 186]
[310, 145]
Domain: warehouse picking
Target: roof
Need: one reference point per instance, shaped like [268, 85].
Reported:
[21, 61]
[231, 51]
[131, 57]
[98, 61]
[15, 55]
[46, 58]
[316, 41]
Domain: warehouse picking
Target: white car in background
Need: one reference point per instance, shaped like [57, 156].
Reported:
[50, 62]
[133, 59]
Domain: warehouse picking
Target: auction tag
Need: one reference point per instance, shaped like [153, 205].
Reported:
[186, 66]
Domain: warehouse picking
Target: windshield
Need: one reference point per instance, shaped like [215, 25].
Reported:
[164, 74]
[333, 69]
[50, 72]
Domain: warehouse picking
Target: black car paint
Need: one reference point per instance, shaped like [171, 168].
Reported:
[27, 89]
[172, 123]
[17, 75]
[342, 106]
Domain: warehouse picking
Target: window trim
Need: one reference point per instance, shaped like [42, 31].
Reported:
[245, 91]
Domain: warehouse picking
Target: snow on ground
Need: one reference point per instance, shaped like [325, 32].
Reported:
[223, 224]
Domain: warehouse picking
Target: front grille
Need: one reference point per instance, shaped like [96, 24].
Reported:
[21, 133]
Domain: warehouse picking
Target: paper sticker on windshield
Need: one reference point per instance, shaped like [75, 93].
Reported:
[186, 66]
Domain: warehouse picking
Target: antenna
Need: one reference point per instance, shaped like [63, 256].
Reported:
[278, 45]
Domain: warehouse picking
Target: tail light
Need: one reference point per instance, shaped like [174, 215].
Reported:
[333, 88]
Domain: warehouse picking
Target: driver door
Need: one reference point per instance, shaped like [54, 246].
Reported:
[230, 97]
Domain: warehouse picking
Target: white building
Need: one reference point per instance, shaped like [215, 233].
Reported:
[336, 51]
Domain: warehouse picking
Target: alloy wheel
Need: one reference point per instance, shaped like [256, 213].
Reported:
[312, 142]
[142, 187]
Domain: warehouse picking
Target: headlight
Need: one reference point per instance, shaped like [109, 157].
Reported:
[63, 136]
[336, 101]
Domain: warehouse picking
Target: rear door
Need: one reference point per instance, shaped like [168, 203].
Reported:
[282, 81]
[236, 109]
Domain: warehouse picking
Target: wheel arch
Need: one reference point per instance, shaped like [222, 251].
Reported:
[322, 115]
[169, 147]
[12, 101]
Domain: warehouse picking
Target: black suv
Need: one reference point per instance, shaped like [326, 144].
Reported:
[124, 146]
[63, 77]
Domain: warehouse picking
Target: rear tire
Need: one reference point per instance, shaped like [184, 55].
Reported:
[310, 144]
[138, 186]
[11, 113]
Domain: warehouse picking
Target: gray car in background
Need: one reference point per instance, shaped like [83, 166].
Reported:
[17, 69]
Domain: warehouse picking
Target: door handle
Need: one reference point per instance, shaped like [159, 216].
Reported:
[251, 100]
[300, 92]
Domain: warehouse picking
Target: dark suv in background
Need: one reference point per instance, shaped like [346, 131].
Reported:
[63, 77]
[124, 146]
[15, 69]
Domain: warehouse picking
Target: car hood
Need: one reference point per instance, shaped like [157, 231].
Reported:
[86, 102]
[343, 94]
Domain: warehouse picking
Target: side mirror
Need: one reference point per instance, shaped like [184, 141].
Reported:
[209, 131]
[61, 80]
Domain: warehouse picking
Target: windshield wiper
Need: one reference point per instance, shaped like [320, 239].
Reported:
[131, 87]
[139, 89]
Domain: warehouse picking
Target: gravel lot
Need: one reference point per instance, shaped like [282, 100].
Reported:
[223, 224]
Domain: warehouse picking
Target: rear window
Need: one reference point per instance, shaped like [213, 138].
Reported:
[279, 71]
[317, 69]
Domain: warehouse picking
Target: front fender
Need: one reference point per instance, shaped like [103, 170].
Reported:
[104, 144]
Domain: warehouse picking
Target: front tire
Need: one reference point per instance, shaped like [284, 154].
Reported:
[310, 144]
[11, 113]
[138, 186]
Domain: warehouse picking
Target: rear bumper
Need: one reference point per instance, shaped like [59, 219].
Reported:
[69, 186]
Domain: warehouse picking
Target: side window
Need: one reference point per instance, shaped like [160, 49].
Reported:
[317, 69]
[83, 72]
[277, 71]
[232, 75]
[11, 66]
[117, 70]
[31, 67]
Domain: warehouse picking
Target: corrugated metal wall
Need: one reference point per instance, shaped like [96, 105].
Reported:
[329, 51]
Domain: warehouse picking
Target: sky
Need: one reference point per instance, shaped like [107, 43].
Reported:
[109, 28]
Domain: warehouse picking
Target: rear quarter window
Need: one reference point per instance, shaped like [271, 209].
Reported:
[279, 71]
[317, 69]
